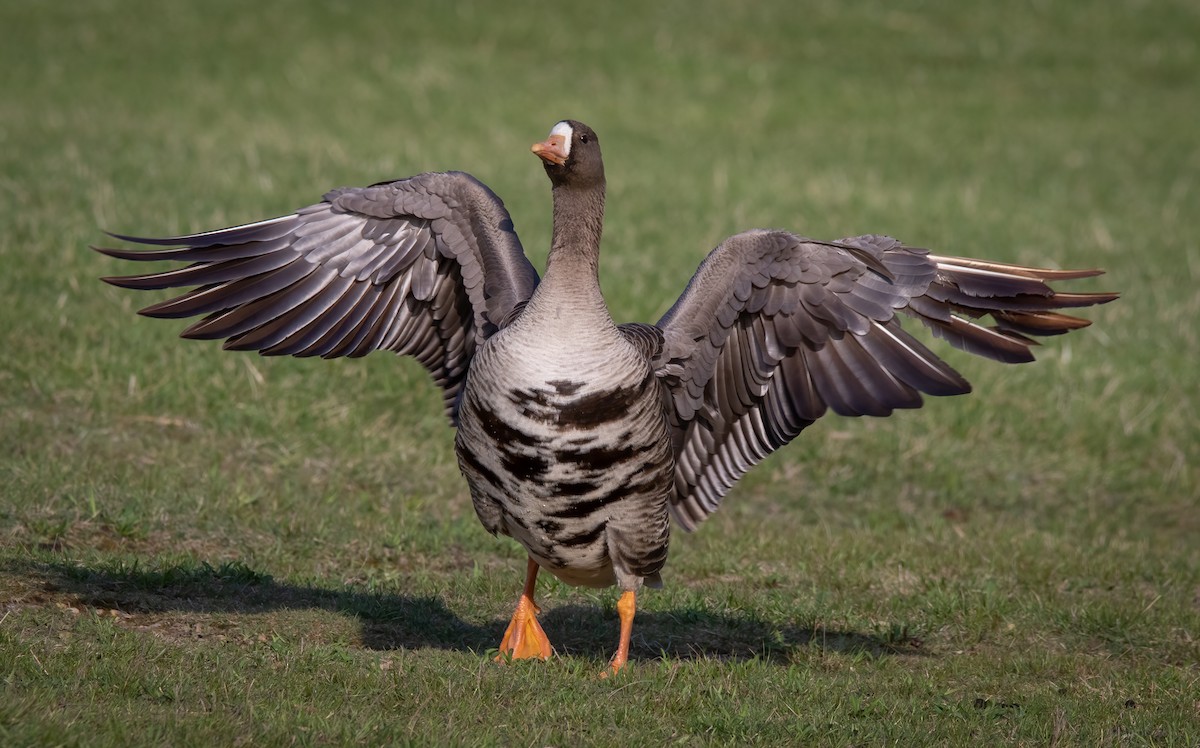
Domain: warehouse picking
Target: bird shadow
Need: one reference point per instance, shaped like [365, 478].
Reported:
[390, 621]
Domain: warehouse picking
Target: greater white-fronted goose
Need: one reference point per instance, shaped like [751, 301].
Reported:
[578, 437]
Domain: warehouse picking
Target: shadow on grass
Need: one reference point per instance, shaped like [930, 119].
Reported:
[392, 621]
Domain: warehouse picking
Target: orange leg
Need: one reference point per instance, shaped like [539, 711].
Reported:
[524, 638]
[626, 607]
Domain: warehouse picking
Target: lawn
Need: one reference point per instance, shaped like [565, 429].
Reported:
[201, 548]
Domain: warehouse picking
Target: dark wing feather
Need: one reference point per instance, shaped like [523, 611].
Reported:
[646, 338]
[428, 266]
[774, 329]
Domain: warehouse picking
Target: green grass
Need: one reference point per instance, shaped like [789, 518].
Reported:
[202, 548]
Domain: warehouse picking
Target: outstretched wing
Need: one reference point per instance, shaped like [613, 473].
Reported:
[774, 329]
[428, 266]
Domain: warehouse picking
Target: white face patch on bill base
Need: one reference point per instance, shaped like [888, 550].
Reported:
[564, 130]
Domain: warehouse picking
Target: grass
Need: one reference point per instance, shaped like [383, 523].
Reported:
[203, 548]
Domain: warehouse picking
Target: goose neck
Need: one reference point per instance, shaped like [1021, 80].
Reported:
[578, 226]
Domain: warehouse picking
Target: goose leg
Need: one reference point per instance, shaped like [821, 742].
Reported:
[626, 606]
[524, 638]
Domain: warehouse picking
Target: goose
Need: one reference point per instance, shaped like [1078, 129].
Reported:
[582, 439]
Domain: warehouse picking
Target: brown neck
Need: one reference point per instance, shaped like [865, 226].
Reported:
[578, 224]
[568, 296]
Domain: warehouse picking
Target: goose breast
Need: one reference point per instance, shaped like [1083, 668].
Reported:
[565, 446]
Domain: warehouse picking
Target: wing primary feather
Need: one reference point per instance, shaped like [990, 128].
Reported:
[1009, 269]
[270, 228]
[219, 253]
[288, 313]
[324, 333]
[201, 274]
[230, 294]
[913, 363]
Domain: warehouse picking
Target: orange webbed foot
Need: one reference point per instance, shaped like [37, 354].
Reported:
[626, 607]
[524, 638]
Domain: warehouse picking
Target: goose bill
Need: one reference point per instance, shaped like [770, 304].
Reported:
[552, 150]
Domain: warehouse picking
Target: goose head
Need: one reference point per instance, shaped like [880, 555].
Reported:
[571, 154]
